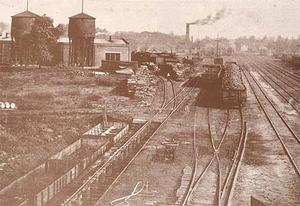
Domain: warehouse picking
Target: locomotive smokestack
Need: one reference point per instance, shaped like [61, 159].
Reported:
[187, 34]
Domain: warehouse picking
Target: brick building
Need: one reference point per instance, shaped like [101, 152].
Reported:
[5, 51]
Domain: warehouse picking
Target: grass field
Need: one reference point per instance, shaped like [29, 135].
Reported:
[39, 127]
[55, 89]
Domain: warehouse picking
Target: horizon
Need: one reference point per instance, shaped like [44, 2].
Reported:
[272, 18]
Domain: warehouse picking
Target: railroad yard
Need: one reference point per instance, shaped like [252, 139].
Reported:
[219, 156]
[231, 168]
[118, 106]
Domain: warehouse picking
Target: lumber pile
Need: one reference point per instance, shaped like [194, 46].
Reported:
[142, 87]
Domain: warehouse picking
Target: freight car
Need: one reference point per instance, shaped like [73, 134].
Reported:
[53, 176]
[233, 89]
[212, 73]
[157, 58]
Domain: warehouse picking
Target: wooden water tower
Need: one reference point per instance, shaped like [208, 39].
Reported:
[21, 25]
[82, 31]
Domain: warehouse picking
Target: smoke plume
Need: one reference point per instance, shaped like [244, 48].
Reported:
[210, 19]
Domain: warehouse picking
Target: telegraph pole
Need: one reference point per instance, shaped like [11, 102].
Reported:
[218, 46]
[82, 6]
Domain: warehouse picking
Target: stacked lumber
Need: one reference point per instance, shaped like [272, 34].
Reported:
[142, 87]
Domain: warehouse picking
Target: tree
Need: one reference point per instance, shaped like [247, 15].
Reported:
[43, 37]
[3, 26]
[63, 29]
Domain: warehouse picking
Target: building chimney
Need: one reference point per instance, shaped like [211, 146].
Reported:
[6, 35]
[187, 35]
[110, 38]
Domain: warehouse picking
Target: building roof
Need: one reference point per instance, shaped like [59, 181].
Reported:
[82, 16]
[26, 14]
[118, 42]
[5, 39]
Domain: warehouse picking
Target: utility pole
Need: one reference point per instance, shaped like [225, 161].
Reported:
[27, 6]
[218, 46]
[82, 3]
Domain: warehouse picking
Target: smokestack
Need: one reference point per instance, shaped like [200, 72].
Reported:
[187, 35]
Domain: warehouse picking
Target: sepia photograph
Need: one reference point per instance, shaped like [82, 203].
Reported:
[149, 103]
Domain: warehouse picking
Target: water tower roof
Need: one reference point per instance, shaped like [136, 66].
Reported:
[26, 14]
[82, 16]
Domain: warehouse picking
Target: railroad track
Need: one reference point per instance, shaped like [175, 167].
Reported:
[140, 150]
[180, 100]
[281, 69]
[282, 77]
[264, 100]
[224, 192]
[286, 71]
[173, 92]
[165, 98]
[164, 91]
[279, 78]
[275, 109]
[279, 89]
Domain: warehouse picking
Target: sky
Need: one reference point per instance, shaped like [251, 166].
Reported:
[241, 17]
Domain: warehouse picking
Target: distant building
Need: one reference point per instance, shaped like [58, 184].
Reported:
[104, 50]
[5, 51]
[244, 48]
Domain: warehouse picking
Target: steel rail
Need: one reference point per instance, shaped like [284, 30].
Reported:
[294, 86]
[276, 110]
[164, 91]
[269, 119]
[280, 68]
[239, 162]
[232, 171]
[194, 181]
[269, 74]
[264, 75]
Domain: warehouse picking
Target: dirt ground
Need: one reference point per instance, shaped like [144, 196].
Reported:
[163, 177]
